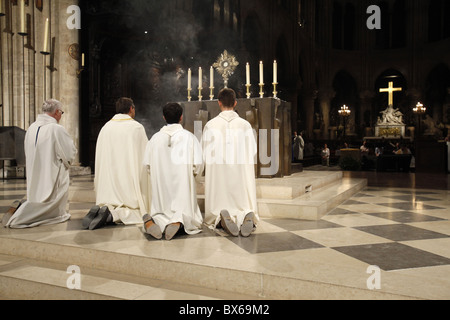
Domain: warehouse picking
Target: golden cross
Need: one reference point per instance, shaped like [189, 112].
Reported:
[391, 91]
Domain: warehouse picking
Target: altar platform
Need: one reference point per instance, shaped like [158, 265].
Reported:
[405, 232]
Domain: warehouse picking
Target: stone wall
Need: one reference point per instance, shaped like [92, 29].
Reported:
[29, 77]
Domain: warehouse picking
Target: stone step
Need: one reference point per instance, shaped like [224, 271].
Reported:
[313, 205]
[108, 275]
[27, 279]
[289, 188]
[309, 206]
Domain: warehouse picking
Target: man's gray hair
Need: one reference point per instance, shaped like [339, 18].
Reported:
[51, 105]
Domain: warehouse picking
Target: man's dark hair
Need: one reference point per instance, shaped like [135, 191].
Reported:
[227, 97]
[172, 113]
[123, 105]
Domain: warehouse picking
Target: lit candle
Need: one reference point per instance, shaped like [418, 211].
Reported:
[261, 73]
[248, 73]
[45, 48]
[22, 16]
[200, 77]
[275, 72]
[211, 76]
[82, 60]
[189, 79]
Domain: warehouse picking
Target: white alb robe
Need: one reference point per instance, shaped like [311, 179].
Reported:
[174, 158]
[229, 149]
[121, 181]
[49, 152]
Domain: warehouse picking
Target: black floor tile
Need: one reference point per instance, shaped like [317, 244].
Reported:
[296, 225]
[412, 198]
[410, 206]
[401, 232]
[338, 211]
[404, 216]
[393, 256]
[351, 201]
[274, 242]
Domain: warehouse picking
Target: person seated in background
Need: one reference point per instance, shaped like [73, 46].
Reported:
[378, 151]
[403, 150]
[326, 155]
[364, 149]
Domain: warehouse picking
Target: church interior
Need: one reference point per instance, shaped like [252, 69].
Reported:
[347, 71]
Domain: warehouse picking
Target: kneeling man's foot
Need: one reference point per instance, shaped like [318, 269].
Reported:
[171, 230]
[228, 224]
[151, 228]
[90, 217]
[248, 226]
[100, 220]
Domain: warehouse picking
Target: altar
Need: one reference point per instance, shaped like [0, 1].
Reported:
[390, 124]
[269, 117]
[391, 131]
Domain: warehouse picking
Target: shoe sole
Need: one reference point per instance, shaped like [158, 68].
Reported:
[248, 226]
[87, 220]
[171, 231]
[154, 230]
[100, 220]
[228, 225]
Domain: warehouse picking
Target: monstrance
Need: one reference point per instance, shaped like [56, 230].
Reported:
[226, 65]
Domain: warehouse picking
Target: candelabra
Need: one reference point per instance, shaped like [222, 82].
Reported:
[419, 110]
[345, 112]
[261, 90]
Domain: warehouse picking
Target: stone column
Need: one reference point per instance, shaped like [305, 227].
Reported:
[3, 44]
[325, 99]
[366, 97]
[309, 96]
[65, 79]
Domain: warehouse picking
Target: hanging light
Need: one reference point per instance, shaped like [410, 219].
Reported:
[419, 109]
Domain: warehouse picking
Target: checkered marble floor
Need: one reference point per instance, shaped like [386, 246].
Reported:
[394, 229]
[405, 232]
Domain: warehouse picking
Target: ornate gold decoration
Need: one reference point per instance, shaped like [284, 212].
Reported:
[391, 91]
[390, 132]
[226, 65]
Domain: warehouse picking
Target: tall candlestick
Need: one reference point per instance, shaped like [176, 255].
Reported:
[200, 77]
[248, 73]
[275, 72]
[45, 47]
[211, 76]
[211, 87]
[261, 73]
[189, 79]
[22, 18]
